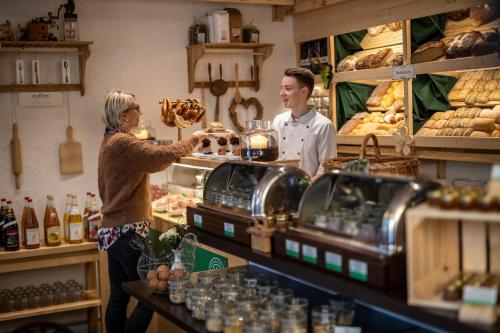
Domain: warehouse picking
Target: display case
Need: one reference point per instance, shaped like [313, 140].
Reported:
[176, 188]
[354, 225]
[239, 193]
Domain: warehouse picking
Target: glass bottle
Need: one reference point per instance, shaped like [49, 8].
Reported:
[75, 223]
[3, 206]
[52, 227]
[31, 229]
[177, 288]
[93, 221]
[67, 211]
[10, 229]
[177, 267]
[85, 215]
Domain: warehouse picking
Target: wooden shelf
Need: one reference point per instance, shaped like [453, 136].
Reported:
[46, 251]
[457, 142]
[382, 73]
[170, 219]
[259, 51]
[426, 211]
[45, 310]
[487, 105]
[45, 47]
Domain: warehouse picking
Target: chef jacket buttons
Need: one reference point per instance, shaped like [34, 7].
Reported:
[307, 126]
[302, 140]
[283, 152]
[298, 153]
[284, 138]
[286, 124]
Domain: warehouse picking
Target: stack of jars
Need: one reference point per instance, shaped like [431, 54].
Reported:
[44, 295]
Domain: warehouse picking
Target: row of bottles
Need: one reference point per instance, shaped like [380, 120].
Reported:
[76, 228]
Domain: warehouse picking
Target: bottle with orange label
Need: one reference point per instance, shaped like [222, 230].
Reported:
[75, 223]
[31, 228]
[51, 224]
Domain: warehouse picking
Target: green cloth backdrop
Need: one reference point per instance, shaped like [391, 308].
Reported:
[427, 29]
[347, 44]
[351, 99]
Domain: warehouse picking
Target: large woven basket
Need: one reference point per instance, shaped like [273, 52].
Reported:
[378, 165]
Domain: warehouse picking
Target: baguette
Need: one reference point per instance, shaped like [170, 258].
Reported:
[491, 113]
[491, 85]
[480, 134]
[378, 93]
[495, 95]
[471, 98]
[429, 123]
[483, 97]
[483, 124]
[437, 115]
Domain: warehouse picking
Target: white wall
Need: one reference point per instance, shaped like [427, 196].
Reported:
[139, 46]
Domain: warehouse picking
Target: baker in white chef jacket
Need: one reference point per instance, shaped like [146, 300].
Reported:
[303, 133]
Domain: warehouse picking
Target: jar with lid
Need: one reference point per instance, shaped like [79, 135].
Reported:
[248, 307]
[200, 298]
[259, 141]
[214, 310]
[233, 320]
[323, 319]
[207, 277]
[70, 27]
[177, 288]
[257, 326]
[344, 310]
[198, 33]
[271, 312]
[250, 33]
[293, 321]
[281, 295]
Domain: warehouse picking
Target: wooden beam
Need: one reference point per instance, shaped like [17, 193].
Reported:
[255, 2]
[279, 12]
[303, 6]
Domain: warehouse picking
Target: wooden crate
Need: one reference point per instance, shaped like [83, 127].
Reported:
[443, 243]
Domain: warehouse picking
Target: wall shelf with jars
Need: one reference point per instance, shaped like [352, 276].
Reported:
[64, 49]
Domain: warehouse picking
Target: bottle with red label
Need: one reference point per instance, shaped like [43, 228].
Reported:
[10, 229]
[3, 208]
[51, 224]
[93, 221]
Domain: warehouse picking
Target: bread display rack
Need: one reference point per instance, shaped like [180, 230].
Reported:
[312, 25]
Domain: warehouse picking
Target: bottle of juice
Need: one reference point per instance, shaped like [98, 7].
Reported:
[94, 221]
[31, 228]
[3, 206]
[67, 210]
[10, 229]
[75, 223]
[24, 217]
[52, 227]
[85, 215]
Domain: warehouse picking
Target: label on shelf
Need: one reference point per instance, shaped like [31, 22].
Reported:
[480, 296]
[333, 261]
[198, 220]
[228, 229]
[32, 236]
[310, 254]
[358, 270]
[404, 72]
[292, 248]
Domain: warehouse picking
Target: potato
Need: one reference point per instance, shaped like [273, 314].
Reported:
[153, 284]
[163, 275]
[162, 285]
[152, 275]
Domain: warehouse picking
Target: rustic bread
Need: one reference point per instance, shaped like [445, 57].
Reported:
[447, 115]
[347, 64]
[495, 95]
[470, 84]
[364, 62]
[374, 31]
[428, 52]
[488, 75]
[349, 126]
[491, 113]
[379, 59]
[497, 74]
[463, 94]
[471, 98]
[440, 124]
[491, 85]
[468, 131]
[378, 93]
[487, 44]
[453, 95]
[429, 123]
[480, 134]
[483, 124]
[483, 14]
[459, 84]
[495, 134]
[483, 97]
[395, 26]
[461, 44]
[395, 60]
[479, 86]
[437, 115]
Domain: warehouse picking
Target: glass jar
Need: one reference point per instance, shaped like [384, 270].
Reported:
[221, 283]
[323, 319]
[70, 27]
[233, 321]
[259, 141]
[247, 306]
[257, 326]
[264, 288]
[231, 293]
[299, 304]
[344, 310]
[207, 277]
[177, 288]
[189, 292]
[293, 322]
[177, 267]
[200, 298]
[281, 295]
[214, 311]
[236, 275]
[271, 312]
[250, 280]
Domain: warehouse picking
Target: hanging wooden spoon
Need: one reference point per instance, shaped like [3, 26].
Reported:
[237, 95]
[217, 88]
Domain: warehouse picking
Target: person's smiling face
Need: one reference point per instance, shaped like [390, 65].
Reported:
[132, 115]
[292, 93]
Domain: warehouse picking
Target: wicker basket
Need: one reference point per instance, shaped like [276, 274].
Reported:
[378, 165]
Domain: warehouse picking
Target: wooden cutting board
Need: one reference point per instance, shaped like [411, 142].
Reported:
[70, 155]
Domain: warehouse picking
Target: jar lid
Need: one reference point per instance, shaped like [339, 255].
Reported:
[252, 124]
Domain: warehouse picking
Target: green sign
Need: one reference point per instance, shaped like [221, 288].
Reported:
[206, 260]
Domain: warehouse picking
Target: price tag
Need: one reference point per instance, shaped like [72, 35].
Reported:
[292, 248]
[198, 220]
[310, 254]
[358, 270]
[229, 229]
[346, 329]
[480, 296]
[333, 261]
[404, 72]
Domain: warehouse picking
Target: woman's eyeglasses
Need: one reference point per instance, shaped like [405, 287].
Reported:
[137, 107]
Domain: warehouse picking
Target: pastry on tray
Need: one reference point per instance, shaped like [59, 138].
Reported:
[216, 127]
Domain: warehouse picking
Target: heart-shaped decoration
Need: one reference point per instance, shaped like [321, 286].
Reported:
[252, 101]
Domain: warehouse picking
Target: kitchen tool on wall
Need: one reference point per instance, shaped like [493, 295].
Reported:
[65, 71]
[217, 88]
[15, 146]
[70, 152]
[237, 95]
[204, 123]
[19, 71]
[35, 71]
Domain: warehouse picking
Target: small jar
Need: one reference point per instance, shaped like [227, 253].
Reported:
[214, 320]
[70, 27]
[11, 304]
[323, 319]
[299, 304]
[293, 322]
[257, 326]
[233, 321]
[200, 298]
[207, 277]
[236, 275]
[230, 294]
[264, 288]
[280, 295]
[248, 307]
[250, 280]
[221, 283]
[189, 292]
[177, 289]
[344, 310]
[271, 312]
[282, 222]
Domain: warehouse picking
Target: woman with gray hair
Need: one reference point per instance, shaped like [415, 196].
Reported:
[125, 163]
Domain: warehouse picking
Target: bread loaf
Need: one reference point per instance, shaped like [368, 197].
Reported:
[460, 113]
[347, 64]
[479, 87]
[497, 127]
[440, 124]
[422, 131]
[380, 58]
[471, 98]
[395, 60]
[491, 85]
[488, 75]
[429, 123]
[495, 134]
[470, 84]
[466, 75]
[468, 131]
[374, 31]
[448, 115]
[459, 84]
[487, 44]
[377, 94]
[480, 134]
[364, 62]
[428, 52]
[437, 115]
[477, 75]
[461, 44]
[491, 113]
[497, 74]
[483, 124]
[395, 26]
[349, 126]
[483, 14]
[495, 95]
[453, 95]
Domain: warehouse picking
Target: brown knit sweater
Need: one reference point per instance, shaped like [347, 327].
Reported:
[123, 175]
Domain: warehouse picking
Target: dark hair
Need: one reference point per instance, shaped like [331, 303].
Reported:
[304, 76]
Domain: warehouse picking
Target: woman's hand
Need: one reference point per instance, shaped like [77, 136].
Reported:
[200, 135]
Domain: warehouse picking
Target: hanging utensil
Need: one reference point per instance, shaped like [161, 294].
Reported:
[217, 88]
[17, 164]
[237, 95]
[70, 152]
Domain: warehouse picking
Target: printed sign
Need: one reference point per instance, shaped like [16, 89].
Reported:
[404, 72]
[228, 229]
[198, 220]
[310, 254]
[31, 99]
[292, 248]
[358, 270]
[333, 261]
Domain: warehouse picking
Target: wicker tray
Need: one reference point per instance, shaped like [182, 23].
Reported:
[378, 165]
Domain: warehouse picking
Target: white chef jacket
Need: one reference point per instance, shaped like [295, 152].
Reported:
[311, 138]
